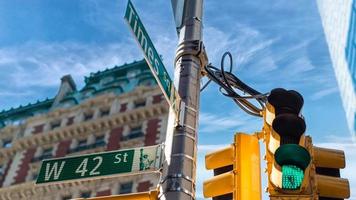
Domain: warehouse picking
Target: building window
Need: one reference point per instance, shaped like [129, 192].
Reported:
[147, 82]
[38, 129]
[6, 144]
[125, 188]
[82, 145]
[85, 195]
[157, 98]
[70, 120]
[104, 112]
[46, 154]
[141, 103]
[351, 43]
[88, 116]
[99, 141]
[134, 133]
[55, 124]
[123, 107]
[67, 197]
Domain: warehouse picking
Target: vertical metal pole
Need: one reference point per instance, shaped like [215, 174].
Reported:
[179, 176]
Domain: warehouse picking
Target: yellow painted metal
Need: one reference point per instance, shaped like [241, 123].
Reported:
[220, 158]
[269, 114]
[151, 195]
[248, 167]
[272, 142]
[332, 187]
[328, 186]
[273, 170]
[245, 179]
[330, 158]
[219, 185]
[276, 175]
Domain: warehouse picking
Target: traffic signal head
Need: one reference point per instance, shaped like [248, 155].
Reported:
[327, 164]
[296, 169]
[236, 169]
[287, 158]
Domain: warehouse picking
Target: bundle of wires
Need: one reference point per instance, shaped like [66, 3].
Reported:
[229, 84]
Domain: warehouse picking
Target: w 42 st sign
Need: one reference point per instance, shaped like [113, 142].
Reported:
[124, 162]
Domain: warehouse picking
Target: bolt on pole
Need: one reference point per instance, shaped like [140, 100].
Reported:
[179, 176]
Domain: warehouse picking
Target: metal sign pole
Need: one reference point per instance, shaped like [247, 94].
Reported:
[179, 172]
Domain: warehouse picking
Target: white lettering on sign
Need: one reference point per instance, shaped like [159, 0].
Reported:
[94, 172]
[82, 168]
[119, 157]
[138, 32]
[152, 57]
[132, 13]
[54, 170]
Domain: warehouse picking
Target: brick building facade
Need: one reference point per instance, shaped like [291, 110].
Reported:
[117, 108]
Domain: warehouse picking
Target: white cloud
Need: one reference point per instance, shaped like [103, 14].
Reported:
[213, 123]
[41, 64]
[10, 94]
[245, 43]
[324, 92]
[98, 14]
[210, 147]
[202, 174]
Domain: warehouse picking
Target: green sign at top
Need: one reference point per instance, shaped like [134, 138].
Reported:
[152, 57]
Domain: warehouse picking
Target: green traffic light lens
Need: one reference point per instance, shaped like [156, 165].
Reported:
[292, 177]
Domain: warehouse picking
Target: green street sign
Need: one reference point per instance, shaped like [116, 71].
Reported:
[151, 56]
[128, 161]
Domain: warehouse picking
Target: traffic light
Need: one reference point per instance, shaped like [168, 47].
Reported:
[287, 156]
[328, 163]
[236, 170]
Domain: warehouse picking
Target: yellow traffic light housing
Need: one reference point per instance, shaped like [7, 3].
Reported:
[327, 164]
[286, 153]
[237, 170]
[296, 169]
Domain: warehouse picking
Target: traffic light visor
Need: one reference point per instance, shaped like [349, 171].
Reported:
[292, 154]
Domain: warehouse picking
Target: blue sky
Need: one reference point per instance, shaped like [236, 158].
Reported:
[274, 44]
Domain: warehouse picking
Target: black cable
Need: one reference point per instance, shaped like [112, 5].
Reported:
[205, 85]
[229, 83]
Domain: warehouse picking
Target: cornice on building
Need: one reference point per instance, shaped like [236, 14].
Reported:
[117, 69]
[68, 91]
